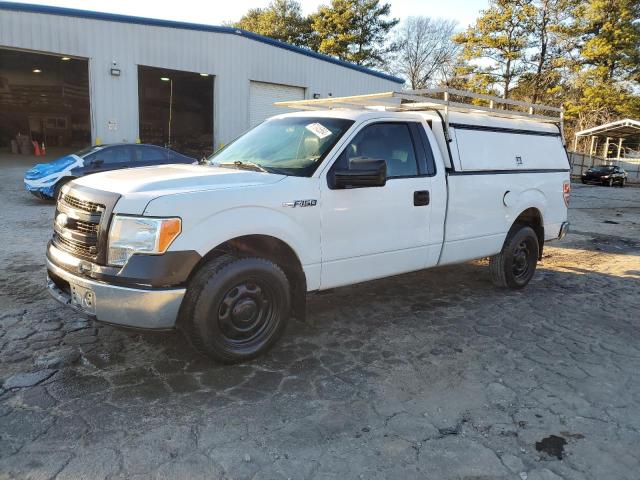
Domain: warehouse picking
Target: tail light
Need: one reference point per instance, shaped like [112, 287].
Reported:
[566, 192]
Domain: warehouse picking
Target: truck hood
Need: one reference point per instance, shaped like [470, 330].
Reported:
[138, 186]
[170, 179]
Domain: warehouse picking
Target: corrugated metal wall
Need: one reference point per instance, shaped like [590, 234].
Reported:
[233, 60]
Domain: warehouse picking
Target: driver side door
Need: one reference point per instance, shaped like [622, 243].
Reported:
[374, 232]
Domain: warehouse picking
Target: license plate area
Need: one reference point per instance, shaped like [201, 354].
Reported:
[83, 297]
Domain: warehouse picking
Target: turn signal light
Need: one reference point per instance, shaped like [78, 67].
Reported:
[169, 230]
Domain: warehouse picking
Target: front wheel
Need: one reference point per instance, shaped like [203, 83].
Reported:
[235, 308]
[610, 182]
[622, 182]
[515, 265]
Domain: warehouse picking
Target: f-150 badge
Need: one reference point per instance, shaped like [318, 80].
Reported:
[300, 203]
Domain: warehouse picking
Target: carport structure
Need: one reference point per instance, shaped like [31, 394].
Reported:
[626, 130]
[612, 143]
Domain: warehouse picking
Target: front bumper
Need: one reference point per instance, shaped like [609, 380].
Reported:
[129, 307]
[44, 192]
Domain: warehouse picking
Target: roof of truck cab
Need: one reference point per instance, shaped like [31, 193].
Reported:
[455, 118]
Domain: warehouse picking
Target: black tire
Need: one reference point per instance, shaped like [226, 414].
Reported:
[235, 308]
[622, 182]
[584, 182]
[610, 182]
[516, 264]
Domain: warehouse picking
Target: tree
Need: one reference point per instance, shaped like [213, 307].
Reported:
[553, 43]
[609, 60]
[281, 20]
[425, 50]
[353, 30]
[610, 38]
[470, 77]
[551, 54]
[499, 40]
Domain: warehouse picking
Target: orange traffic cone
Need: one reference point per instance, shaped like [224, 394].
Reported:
[44, 150]
[36, 148]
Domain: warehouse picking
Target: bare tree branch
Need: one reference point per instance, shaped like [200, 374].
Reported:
[426, 52]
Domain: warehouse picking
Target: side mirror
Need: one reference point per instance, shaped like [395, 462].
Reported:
[97, 162]
[362, 172]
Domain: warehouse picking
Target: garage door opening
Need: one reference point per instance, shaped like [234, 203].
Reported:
[262, 97]
[176, 110]
[43, 98]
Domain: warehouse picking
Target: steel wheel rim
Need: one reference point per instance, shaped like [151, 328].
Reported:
[521, 260]
[247, 312]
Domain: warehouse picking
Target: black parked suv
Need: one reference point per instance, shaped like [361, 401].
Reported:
[608, 175]
[45, 179]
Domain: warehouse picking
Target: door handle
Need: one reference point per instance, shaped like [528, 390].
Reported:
[421, 198]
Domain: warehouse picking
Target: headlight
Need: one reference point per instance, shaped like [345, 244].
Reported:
[151, 236]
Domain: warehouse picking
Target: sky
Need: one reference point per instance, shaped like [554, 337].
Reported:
[217, 12]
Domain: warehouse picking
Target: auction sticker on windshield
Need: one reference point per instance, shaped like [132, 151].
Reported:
[319, 130]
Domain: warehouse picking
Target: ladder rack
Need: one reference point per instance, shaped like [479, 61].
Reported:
[445, 99]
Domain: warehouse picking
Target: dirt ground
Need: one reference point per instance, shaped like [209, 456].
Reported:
[435, 374]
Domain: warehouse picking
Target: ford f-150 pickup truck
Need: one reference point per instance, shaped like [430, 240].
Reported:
[342, 192]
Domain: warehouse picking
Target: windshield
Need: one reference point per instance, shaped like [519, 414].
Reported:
[288, 146]
[602, 169]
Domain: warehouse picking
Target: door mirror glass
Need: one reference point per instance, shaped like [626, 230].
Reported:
[362, 172]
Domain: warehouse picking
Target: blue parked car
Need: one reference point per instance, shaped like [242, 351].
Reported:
[46, 179]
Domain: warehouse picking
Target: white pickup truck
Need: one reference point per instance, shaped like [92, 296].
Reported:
[227, 251]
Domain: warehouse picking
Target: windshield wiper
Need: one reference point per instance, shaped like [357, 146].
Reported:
[244, 166]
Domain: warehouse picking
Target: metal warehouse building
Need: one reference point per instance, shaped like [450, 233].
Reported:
[71, 77]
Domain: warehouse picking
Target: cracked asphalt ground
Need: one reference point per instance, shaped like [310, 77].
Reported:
[435, 374]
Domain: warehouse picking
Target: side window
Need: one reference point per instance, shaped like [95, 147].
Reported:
[153, 154]
[136, 154]
[383, 141]
[175, 157]
[110, 156]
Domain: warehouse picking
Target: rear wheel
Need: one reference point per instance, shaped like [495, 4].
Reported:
[235, 308]
[515, 265]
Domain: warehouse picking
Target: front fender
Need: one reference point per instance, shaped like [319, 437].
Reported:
[222, 226]
[204, 228]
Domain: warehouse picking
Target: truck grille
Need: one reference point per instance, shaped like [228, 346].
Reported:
[82, 205]
[86, 227]
[77, 226]
[79, 248]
